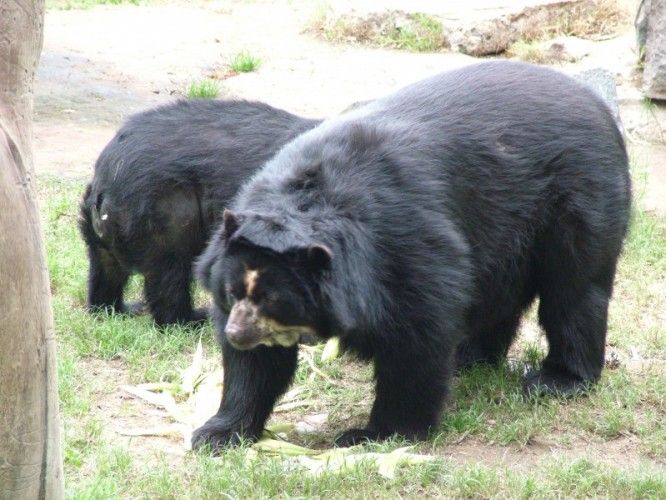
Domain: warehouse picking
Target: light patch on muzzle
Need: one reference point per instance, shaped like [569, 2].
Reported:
[251, 277]
[246, 328]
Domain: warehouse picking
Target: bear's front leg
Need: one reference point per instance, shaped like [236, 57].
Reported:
[253, 380]
[412, 385]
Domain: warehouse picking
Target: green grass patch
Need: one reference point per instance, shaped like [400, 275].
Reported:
[586, 479]
[111, 478]
[235, 476]
[203, 89]
[423, 34]
[244, 62]
[640, 289]
[535, 52]
[486, 403]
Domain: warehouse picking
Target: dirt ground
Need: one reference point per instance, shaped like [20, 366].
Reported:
[127, 413]
[102, 64]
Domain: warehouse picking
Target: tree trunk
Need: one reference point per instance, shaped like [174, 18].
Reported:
[30, 457]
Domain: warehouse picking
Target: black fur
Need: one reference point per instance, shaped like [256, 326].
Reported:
[160, 186]
[448, 207]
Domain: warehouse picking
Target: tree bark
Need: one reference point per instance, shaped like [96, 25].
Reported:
[30, 456]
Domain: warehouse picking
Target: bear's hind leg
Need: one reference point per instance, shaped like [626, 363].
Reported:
[167, 291]
[106, 280]
[574, 315]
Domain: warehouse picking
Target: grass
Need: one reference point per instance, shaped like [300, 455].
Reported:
[233, 477]
[204, 89]
[86, 4]
[590, 19]
[423, 34]
[528, 51]
[536, 52]
[491, 443]
[593, 19]
[416, 32]
[244, 62]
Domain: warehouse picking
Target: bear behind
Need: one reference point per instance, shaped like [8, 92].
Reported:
[161, 184]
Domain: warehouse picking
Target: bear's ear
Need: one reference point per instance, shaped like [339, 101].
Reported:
[230, 222]
[318, 257]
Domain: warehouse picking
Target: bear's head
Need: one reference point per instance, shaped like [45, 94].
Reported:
[269, 276]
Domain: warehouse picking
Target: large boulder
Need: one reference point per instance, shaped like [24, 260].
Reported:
[651, 28]
[602, 82]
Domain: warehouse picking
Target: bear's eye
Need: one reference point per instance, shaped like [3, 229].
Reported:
[271, 298]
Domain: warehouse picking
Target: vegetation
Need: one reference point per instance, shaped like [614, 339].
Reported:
[591, 19]
[417, 32]
[204, 89]
[244, 62]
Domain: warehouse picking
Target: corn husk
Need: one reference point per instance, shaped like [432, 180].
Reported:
[202, 392]
[338, 460]
[331, 350]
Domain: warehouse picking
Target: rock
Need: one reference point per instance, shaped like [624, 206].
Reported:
[644, 124]
[602, 82]
[567, 48]
[654, 72]
[487, 37]
[492, 36]
[641, 23]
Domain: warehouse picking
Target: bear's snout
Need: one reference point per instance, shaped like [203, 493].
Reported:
[241, 329]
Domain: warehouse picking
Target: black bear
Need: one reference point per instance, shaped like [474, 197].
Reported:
[159, 187]
[418, 227]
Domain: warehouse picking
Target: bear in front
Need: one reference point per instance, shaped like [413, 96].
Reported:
[417, 229]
